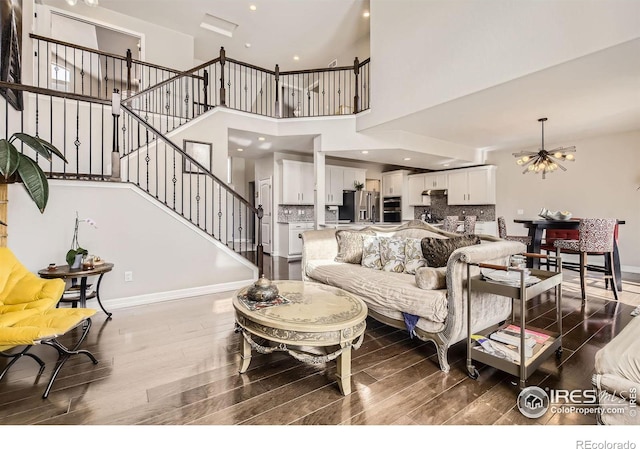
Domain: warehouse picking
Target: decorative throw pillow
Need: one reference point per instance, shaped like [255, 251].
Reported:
[392, 254]
[413, 256]
[428, 278]
[437, 251]
[371, 252]
[350, 245]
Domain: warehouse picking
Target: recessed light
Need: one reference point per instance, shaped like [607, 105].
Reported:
[407, 159]
[247, 45]
[366, 14]
[296, 58]
[261, 139]
[253, 7]
[365, 152]
[445, 165]
[240, 149]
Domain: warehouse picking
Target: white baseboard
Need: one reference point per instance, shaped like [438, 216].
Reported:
[629, 269]
[151, 298]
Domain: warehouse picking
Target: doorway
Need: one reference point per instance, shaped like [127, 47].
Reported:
[264, 199]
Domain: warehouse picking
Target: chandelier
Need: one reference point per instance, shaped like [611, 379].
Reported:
[543, 161]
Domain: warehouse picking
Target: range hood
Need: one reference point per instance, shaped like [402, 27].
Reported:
[434, 192]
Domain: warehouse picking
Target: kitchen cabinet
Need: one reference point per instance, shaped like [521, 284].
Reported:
[416, 187]
[472, 186]
[297, 183]
[290, 241]
[352, 175]
[333, 185]
[392, 183]
[437, 181]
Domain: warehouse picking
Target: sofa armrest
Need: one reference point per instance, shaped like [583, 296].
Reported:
[318, 245]
[488, 309]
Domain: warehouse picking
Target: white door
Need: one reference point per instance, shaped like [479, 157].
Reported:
[264, 199]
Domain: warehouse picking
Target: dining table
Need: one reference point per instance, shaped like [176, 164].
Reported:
[536, 230]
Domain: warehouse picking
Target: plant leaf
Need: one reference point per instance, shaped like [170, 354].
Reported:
[34, 181]
[51, 148]
[9, 158]
[33, 143]
[70, 257]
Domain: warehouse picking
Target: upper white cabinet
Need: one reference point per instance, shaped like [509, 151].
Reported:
[297, 182]
[472, 186]
[435, 181]
[333, 185]
[416, 187]
[393, 183]
[352, 175]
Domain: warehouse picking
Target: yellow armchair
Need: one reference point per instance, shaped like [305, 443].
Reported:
[28, 316]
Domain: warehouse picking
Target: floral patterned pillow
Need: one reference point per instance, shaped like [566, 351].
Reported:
[371, 252]
[392, 254]
[414, 258]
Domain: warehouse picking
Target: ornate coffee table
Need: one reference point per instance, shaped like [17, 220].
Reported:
[316, 315]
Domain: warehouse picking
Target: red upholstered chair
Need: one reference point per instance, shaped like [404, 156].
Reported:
[596, 237]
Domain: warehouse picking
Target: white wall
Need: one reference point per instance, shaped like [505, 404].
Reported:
[602, 182]
[164, 252]
[425, 53]
[162, 46]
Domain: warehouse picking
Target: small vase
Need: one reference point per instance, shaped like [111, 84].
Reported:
[77, 262]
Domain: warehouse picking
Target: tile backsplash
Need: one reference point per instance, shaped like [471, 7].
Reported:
[440, 209]
[294, 214]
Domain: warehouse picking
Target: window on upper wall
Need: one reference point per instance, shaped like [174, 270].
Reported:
[60, 77]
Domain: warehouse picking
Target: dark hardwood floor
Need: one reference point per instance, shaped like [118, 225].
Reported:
[177, 362]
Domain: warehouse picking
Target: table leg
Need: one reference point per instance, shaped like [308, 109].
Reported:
[534, 247]
[245, 355]
[83, 292]
[344, 369]
[98, 297]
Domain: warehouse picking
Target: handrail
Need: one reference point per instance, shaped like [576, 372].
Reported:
[205, 171]
[53, 93]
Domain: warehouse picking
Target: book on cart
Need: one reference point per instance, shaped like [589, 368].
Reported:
[539, 337]
[513, 339]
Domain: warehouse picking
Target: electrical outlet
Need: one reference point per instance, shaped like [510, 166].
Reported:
[520, 211]
[128, 276]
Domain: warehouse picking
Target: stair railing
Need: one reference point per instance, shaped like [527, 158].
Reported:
[170, 175]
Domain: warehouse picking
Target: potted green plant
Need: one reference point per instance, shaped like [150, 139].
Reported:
[358, 185]
[76, 253]
[17, 166]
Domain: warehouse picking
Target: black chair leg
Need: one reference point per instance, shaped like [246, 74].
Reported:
[16, 356]
[583, 274]
[611, 274]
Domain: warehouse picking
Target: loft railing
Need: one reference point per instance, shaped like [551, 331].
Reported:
[163, 170]
[76, 69]
[78, 125]
[236, 85]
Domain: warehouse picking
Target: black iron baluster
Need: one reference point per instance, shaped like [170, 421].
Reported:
[198, 198]
[174, 180]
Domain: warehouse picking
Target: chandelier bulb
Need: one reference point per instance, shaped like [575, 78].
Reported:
[570, 157]
[525, 159]
[558, 155]
[519, 162]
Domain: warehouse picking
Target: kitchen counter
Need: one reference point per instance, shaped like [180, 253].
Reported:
[361, 225]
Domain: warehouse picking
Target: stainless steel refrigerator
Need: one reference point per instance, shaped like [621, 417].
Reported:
[360, 206]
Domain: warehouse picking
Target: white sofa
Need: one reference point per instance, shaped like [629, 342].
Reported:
[442, 313]
[617, 377]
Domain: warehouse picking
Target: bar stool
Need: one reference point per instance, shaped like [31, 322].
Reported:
[596, 237]
[450, 223]
[469, 224]
[502, 233]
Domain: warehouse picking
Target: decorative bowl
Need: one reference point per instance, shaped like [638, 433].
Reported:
[564, 215]
[263, 290]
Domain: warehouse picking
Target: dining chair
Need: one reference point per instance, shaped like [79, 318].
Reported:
[469, 224]
[450, 223]
[596, 237]
[502, 233]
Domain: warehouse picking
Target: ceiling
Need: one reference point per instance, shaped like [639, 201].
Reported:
[595, 94]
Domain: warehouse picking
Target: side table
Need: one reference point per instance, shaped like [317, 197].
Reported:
[79, 293]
